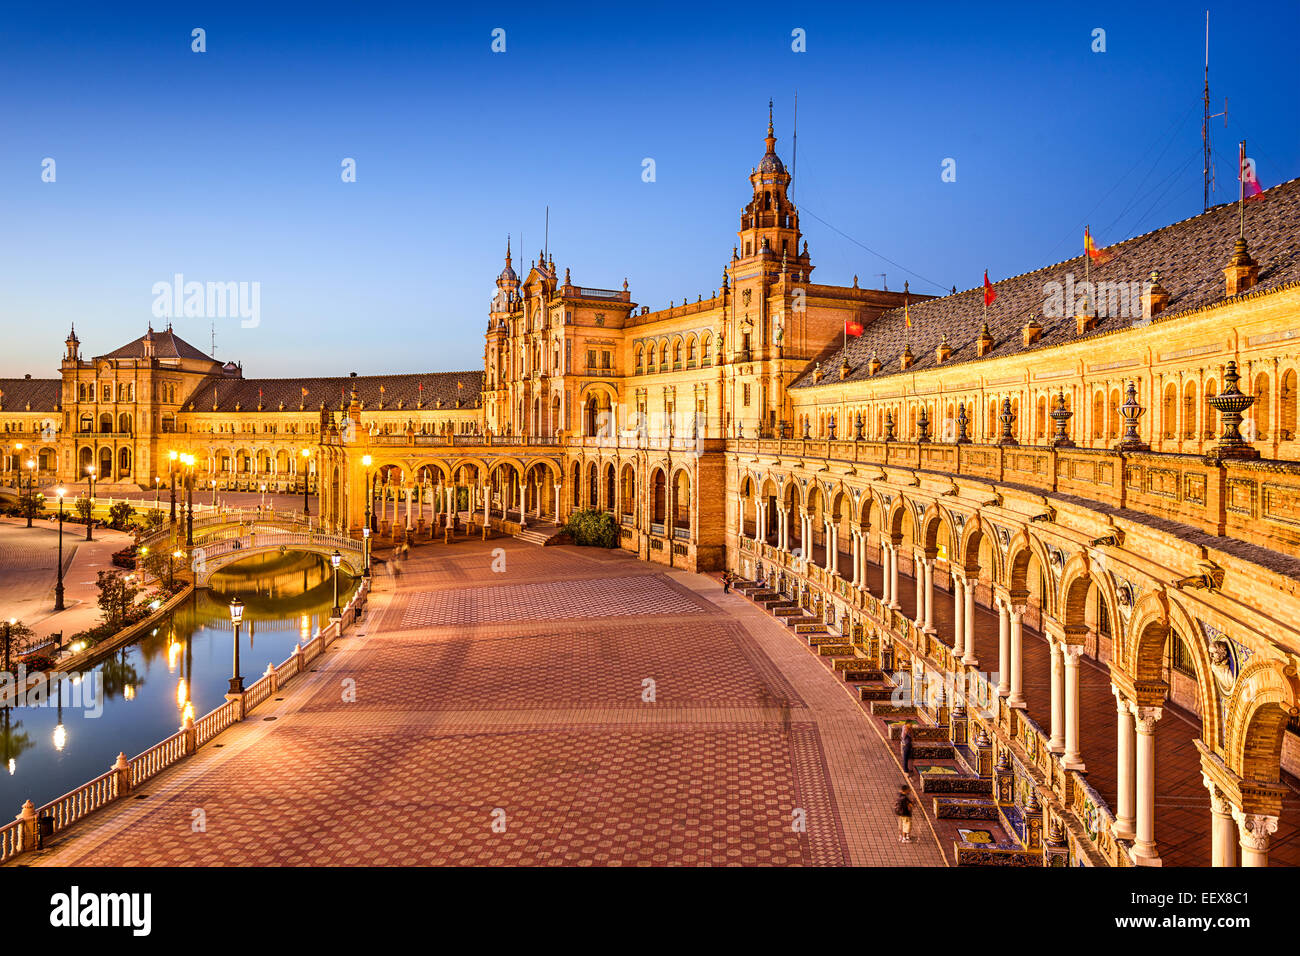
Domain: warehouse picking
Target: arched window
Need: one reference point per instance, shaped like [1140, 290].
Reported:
[1041, 430]
[1189, 411]
[1169, 413]
[1098, 414]
[1114, 413]
[706, 349]
[1286, 406]
[1208, 414]
[638, 359]
[1260, 410]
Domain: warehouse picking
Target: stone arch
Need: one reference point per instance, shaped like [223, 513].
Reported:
[968, 550]
[1144, 646]
[1265, 698]
[1022, 552]
[893, 520]
[864, 509]
[1182, 623]
[928, 529]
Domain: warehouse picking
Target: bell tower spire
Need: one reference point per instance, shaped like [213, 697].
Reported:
[769, 225]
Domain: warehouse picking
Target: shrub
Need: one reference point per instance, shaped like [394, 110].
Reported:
[119, 515]
[591, 528]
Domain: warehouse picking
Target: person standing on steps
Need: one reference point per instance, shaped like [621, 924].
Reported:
[903, 810]
[726, 582]
[907, 748]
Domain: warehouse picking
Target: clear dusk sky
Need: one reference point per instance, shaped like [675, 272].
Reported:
[225, 165]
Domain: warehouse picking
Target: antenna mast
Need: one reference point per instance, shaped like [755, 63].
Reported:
[213, 353]
[1205, 119]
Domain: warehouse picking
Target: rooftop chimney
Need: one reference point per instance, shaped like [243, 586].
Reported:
[1242, 271]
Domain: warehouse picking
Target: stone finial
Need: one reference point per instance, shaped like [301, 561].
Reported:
[907, 358]
[984, 344]
[817, 373]
[1033, 331]
[873, 366]
[942, 353]
[844, 369]
[1155, 299]
[1242, 271]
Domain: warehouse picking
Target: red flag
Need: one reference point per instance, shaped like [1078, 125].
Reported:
[852, 327]
[989, 294]
[1250, 187]
[1090, 247]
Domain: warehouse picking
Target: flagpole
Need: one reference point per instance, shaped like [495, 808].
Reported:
[1241, 176]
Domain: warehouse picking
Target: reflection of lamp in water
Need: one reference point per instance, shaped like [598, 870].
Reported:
[182, 693]
[188, 713]
[173, 652]
[9, 760]
[128, 692]
[60, 732]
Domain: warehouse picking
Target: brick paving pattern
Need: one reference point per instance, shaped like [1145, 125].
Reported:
[751, 753]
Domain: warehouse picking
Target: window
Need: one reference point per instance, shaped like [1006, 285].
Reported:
[746, 395]
[591, 359]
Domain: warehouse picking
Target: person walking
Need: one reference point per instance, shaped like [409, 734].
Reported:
[907, 748]
[903, 810]
[726, 582]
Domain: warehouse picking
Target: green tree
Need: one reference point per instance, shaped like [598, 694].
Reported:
[119, 515]
[592, 528]
[31, 503]
[84, 508]
[116, 597]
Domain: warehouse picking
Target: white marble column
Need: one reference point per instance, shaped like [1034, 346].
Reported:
[884, 572]
[853, 537]
[1004, 648]
[918, 570]
[928, 568]
[969, 657]
[407, 491]
[1017, 696]
[1223, 829]
[833, 549]
[1125, 771]
[1073, 759]
[958, 617]
[893, 577]
[1056, 740]
[862, 562]
[556, 486]
[1255, 830]
[1144, 844]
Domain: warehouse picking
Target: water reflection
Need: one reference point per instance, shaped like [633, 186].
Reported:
[73, 730]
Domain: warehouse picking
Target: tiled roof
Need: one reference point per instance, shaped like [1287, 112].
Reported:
[166, 344]
[1189, 255]
[337, 391]
[41, 393]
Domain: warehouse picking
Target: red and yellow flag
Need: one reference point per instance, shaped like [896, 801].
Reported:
[852, 327]
[907, 317]
[1090, 247]
[989, 294]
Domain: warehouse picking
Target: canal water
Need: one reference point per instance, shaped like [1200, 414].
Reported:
[136, 697]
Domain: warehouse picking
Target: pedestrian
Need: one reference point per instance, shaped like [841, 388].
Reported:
[903, 810]
[907, 748]
[726, 582]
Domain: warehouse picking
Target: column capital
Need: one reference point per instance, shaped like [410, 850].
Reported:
[1255, 829]
[1072, 653]
[1121, 702]
[1144, 718]
[1219, 801]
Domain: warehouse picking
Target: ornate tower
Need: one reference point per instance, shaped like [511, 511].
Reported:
[769, 225]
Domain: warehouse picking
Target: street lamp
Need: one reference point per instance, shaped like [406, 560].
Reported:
[213, 482]
[90, 517]
[366, 462]
[188, 461]
[31, 489]
[58, 587]
[306, 455]
[236, 615]
[178, 553]
[172, 456]
[18, 481]
[335, 560]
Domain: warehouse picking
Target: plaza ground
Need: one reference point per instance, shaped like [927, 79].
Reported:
[507, 717]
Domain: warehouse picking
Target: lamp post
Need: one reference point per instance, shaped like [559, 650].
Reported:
[335, 560]
[171, 478]
[31, 489]
[366, 462]
[306, 458]
[188, 461]
[90, 517]
[157, 491]
[213, 482]
[58, 587]
[171, 573]
[18, 453]
[236, 615]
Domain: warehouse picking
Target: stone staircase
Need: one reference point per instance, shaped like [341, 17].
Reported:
[951, 780]
[539, 534]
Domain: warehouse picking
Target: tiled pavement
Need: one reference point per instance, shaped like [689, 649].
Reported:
[503, 718]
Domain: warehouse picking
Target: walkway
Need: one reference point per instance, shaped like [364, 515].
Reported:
[1182, 802]
[576, 707]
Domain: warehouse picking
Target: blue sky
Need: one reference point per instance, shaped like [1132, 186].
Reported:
[225, 165]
